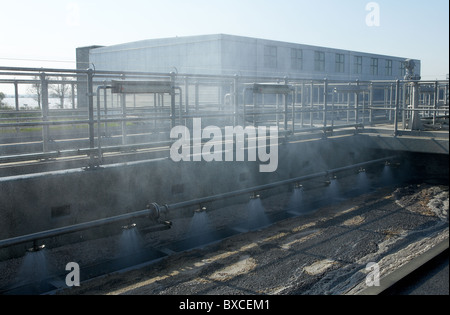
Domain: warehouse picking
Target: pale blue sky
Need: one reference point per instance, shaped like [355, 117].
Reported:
[52, 29]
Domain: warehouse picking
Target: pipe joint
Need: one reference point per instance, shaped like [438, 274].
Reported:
[154, 211]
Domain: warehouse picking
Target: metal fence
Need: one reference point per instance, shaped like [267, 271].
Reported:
[100, 112]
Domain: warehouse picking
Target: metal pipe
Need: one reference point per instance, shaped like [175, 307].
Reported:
[72, 228]
[154, 210]
[397, 97]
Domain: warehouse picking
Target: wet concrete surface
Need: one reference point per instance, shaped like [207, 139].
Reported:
[323, 252]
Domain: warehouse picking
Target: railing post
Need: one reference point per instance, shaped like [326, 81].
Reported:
[325, 102]
[44, 102]
[197, 101]
[90, 95]
[371, 103]
[123, 104]
[16, 94]
[99, 134]
[172, 99]
[303, 103]
[415, 123]
[72, 86]
[312, 105]
[186, 95]
[397, 97]
[390, 102]
[357, 102]
[436, 96]
[285, 98]
[348, 105]
[236, 100]
[294, 98]
[105, 113]
[404, 103]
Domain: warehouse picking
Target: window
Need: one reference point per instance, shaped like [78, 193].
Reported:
[340, 63]
[388, 71]
[270, 56]
[296, 59]
[319, 61]
[374, 66]
[357, 69]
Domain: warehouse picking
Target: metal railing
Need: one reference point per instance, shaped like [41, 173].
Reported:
[110, 111]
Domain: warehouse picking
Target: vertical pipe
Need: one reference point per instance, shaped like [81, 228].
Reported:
[371, 92]
[312, 105]
[186, 94]
[397, 96]
[325, 102]
[357, 102]
[303, 103]
[99, 152]
[436, 95]
[293, 110]
[415, 123]
[73, 95]
[390, 102]
[333, 93]
[90, 87]
[285, 99]
[123, 103]
[363, 108]
[404, 93]
[277, 109]
[105, 112]
[244, 112]
[196, 97]
[16, 94]
[348, 106]
[236, 100]
[44, 102]
[254, 98]
[172, 99]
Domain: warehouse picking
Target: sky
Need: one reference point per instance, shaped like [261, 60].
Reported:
[45, 33]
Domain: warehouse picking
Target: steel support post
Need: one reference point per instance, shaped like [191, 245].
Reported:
[45, 110]
[236, 100]
[415, 123]
[172, 99]
[397, 99]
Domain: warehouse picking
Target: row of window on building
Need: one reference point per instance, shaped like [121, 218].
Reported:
[270, 61]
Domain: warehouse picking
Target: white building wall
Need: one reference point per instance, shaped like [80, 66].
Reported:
[229, 55]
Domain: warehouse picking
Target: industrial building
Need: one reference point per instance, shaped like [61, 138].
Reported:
[222, 54]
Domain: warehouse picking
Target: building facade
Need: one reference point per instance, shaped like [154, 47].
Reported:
[222, 54]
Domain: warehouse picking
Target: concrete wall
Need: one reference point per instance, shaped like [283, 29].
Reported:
[49, 200]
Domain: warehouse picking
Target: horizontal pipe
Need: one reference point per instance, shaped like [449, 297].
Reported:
[71, 229]
[63, 72]
[150, 211]
[271, 185]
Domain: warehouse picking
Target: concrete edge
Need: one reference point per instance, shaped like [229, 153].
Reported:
[400, 273]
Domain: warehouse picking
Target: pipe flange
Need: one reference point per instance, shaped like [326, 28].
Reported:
[154, 211]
